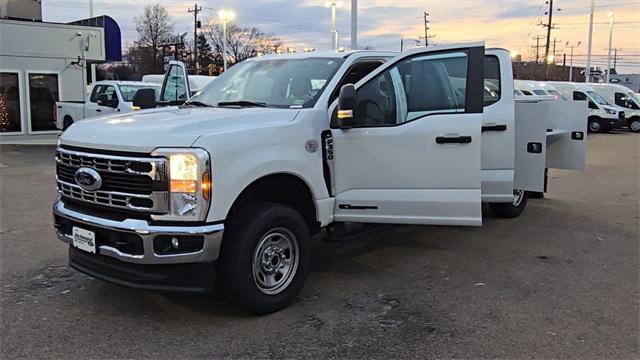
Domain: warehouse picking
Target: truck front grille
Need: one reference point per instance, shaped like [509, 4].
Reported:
[132, 183]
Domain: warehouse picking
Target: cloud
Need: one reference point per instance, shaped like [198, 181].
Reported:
[382, 23]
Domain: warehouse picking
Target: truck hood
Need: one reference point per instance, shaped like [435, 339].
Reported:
[147, 130]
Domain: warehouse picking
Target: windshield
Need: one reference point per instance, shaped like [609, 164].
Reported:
[597, 98]
[540, 92]
[129, 91]
[280, 83]
[635, 97]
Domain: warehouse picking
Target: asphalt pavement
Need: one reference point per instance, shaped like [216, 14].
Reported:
[560, 281]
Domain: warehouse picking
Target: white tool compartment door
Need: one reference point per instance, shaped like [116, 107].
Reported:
[567, 141]
[413, 156]
[530, 149]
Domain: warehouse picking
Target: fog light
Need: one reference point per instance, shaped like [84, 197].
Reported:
[175, 243]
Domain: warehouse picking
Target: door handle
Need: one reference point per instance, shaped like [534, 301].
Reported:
[98, 110]
[453, 139]
[494, 128]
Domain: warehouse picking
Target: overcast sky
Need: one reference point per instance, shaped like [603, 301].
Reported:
[382, 23]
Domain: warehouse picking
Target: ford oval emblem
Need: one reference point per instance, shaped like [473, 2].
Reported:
[88, 179]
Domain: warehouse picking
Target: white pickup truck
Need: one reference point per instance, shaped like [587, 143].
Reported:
[107, 97]
[232, 184]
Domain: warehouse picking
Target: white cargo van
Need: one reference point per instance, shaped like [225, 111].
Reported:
[623, 98]
[602, 116]
[230, 185]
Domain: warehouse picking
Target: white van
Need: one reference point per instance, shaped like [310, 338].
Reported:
[624, 98]
[534, 88]
[602, 116]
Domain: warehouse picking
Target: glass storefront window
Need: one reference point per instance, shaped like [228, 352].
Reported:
[9, 103]
[43, 94]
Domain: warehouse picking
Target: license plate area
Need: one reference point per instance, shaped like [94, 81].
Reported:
[84, 240]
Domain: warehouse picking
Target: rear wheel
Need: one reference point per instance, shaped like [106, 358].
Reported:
[513, 209]
[634, 124]
[265, 257]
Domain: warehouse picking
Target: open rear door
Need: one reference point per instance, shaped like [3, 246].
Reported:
[530, 148]
[566, 136]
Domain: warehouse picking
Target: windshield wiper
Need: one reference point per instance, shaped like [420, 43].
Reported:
[197, 103]
[242, 103]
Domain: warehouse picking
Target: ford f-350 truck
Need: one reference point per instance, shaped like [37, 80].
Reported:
[231, 185]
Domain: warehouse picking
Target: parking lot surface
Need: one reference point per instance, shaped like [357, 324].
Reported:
[560, 281]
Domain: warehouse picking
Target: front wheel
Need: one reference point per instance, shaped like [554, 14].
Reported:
[265, 257]
[513, 209]
[596, 125]
[634, 124]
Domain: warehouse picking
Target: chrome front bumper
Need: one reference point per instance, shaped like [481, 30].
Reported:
[209, 253]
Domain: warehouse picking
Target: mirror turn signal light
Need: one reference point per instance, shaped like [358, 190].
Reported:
[345, 114]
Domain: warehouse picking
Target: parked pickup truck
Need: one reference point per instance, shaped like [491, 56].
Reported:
[107, 97]
[232, 184]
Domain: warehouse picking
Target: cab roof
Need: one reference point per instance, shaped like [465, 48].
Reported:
[323, 54]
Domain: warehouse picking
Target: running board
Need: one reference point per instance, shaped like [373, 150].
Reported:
[340, 233]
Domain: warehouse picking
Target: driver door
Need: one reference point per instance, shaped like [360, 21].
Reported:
[175, 87]
[413, 156]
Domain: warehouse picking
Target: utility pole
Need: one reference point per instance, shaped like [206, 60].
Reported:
[615, 57]
[549, 26]
[426, 30]
[90, 8]
[195, 12]
[535, 65]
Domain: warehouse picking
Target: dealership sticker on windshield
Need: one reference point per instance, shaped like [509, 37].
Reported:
[84, 240]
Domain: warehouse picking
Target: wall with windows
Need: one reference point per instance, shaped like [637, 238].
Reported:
[41, 63]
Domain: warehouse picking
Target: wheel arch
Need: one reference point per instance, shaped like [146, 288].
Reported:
[281, 187]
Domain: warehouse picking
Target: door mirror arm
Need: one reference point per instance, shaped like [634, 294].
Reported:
[346, 106]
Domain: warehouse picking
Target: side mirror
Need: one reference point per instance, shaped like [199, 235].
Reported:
[145, 98]
[346, 105]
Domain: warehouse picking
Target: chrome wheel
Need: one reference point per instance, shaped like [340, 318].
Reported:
[518, 196]
[275, 261]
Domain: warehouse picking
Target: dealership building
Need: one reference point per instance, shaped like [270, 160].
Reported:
[42, 62]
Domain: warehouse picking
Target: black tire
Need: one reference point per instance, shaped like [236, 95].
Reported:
[510, 210]
[68, 121]
[245, 231]
[634, 124]
[596, 125]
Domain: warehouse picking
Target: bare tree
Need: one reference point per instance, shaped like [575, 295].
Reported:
[242, 43]
[153, 26]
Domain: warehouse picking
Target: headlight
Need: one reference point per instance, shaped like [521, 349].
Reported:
[610, 112]
[189, 175]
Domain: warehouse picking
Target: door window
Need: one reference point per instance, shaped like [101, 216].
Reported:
[9, 103]
[413, 88]
[43, 94]
[491, 80]
[580, 96]
[175, 86]
[355, 73]
[625, 101]
[108, 90]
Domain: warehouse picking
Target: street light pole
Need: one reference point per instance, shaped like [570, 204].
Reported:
[225, 16]
[354, 24]
[587, 71]
[610, 39]
[334, 33]
[90, 8]
[571, 59]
